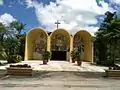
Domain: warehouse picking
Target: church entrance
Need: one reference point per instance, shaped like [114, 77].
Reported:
[58, 55]
[60, 42]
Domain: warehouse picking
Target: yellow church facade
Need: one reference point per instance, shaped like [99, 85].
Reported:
[59, 42]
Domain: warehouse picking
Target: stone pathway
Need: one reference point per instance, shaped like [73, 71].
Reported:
[61, 66]
[59, 81]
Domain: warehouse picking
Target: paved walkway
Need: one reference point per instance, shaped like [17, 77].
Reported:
[59, 81]
[61, 66]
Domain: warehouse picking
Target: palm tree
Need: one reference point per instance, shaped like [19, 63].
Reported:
[3, 31]
[18, 27]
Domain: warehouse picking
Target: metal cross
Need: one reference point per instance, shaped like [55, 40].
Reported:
[57, 23]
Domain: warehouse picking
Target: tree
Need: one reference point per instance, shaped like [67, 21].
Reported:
[3, 31]
[22, 45]
[12, 41]
[18, 27]
[10, 51]
[107, 38]
[113, 36]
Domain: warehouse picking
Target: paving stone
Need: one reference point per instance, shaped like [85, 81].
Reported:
[61, 66]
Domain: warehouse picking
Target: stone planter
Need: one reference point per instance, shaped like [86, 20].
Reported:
[112, 73]
[17, 71]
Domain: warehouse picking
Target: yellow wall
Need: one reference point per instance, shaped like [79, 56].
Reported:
[30, 37]
[87, 40]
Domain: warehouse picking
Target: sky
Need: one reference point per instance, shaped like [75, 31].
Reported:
[73, 15]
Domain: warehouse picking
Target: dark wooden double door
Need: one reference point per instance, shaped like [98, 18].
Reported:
[59, 55]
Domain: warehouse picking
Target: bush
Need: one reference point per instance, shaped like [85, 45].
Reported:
[105, 62]
[46, 55]
[21, 66]
[10, 50]
[14, 59]
[73, 55]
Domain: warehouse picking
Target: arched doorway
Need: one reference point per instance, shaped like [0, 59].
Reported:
[84, 38]
[36, 43]
[60, 44]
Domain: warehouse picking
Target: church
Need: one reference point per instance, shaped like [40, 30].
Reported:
[59, 42]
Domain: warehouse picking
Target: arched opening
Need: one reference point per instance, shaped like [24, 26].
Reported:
[36, 43]
[84, 38]
[60, 45]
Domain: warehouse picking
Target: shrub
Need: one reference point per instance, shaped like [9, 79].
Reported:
[21, 66]
[105, 62]
[73, 55]
[10, 50]
[46, 55]
[14, 58]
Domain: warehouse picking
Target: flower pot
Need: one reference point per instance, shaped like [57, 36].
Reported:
[79, 62]
[45, 61]
[73, 61]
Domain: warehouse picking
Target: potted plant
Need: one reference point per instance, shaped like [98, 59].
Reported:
[46, 56]
[73, 56]
[79, 54]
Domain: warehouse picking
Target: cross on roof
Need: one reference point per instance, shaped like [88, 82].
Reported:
[57, 23]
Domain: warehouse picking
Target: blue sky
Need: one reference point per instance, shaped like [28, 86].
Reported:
[19, 12]
[17, 8]
[72, 14]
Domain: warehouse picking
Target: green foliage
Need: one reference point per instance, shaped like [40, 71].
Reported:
[18, 26]
[46, 55]
[10, 50]
[12, 42]
[2, 27]
[79, 53]
[107, 39]
[73, 55]
[22, 45]
[2, 32]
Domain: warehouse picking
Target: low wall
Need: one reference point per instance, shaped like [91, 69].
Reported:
[112, 73]
[19, 71]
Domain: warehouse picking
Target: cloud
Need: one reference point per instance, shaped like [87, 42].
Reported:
[115, 1]
[29, 3]
[72, 14]
[1, 2]
[91, 29]
[6, 18]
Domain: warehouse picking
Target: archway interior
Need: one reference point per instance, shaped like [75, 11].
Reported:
[83, 38]
[36, 44]
[78, 44]
[60, 45]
